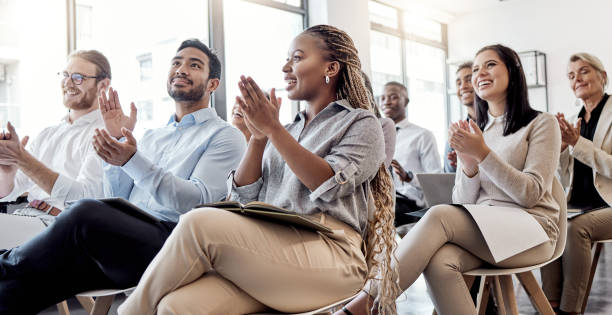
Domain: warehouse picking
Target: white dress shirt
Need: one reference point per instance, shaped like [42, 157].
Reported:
[66, 149]
[416, 151]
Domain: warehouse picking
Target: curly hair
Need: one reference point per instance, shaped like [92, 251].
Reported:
[380, 238]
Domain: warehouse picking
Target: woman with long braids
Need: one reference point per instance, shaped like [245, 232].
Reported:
[504, 160]
[328, 164]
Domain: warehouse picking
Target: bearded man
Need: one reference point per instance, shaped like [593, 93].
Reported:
[172, 169]
[61, 163]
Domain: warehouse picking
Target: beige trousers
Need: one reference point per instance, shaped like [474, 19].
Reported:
[445, 243]
[218, 262]
[565, 279]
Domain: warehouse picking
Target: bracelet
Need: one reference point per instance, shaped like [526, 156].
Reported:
[346, 311]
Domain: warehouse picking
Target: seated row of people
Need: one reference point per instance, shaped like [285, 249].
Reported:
[331, 163]
[327, 164]
[504, 149]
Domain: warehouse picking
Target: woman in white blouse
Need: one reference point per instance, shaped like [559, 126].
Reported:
[504, 160]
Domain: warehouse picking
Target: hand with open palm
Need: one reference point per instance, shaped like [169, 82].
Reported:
[10, 149]
[113, 116]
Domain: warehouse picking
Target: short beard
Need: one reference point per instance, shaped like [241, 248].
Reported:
[86, 101]
[193, 95]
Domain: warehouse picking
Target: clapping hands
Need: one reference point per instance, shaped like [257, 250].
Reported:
[113, 116]
[569, 134]
[467, 140]
[11, 149]
[261, 115]
[112, 151]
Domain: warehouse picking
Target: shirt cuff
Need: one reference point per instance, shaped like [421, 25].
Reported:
[137, 167]
[243, 194]
[329, 189]
[580, 146]
[61, 187]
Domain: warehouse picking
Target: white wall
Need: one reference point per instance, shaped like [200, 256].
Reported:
[558, 28]
[351, 16]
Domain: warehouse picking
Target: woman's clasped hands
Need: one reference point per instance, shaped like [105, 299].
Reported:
[261, 115]
[467, 140]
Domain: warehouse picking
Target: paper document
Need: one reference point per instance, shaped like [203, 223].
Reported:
[17, 229]
[507, 231]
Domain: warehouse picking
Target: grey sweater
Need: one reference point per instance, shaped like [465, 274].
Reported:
[518, 172]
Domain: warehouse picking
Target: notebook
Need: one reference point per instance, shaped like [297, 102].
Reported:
[437, 187]
[269, 212]
[18, 229]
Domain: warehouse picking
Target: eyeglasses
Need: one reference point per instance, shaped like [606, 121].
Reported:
[76, 78]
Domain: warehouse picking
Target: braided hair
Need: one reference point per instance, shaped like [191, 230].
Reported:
[338, 46]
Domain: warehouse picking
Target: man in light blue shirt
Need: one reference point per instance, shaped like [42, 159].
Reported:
[172, 169]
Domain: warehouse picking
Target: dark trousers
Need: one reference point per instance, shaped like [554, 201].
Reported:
[404, 205]
[90, 246]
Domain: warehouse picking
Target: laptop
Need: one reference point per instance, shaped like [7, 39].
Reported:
[437, 187]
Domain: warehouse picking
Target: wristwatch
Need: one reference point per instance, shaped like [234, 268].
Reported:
[409, 176]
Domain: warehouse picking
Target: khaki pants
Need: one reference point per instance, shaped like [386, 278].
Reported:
[218, 262]
[565, 279]
[445, 243]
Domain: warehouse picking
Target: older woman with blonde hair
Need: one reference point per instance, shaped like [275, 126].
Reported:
[585, 170]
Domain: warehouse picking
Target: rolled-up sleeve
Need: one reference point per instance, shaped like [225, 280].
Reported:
[243, 194]
[87, 184]
[354, 159]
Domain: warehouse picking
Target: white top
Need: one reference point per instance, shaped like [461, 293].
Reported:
[66, 149]
[416, 151]
[517, 173]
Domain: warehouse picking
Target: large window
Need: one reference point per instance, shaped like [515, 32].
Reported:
[30, 57]
[139, 37]
[139, 50]
[411, 49]
[257, 38]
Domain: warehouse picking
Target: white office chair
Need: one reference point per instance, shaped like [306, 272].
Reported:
[501, 279]
[598, 249]
[96, 302]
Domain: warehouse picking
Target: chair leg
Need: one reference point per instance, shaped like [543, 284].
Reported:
[62, 308]
[483, 295]
[598, 249]
[507, 290]
[102, 305]
[535, 293]
[86, 302]
[469, 281]
[497, 290]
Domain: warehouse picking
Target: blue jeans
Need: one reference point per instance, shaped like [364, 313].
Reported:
[90, 246]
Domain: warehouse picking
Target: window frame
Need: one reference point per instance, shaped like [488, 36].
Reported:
[404, 36]
[216, 39]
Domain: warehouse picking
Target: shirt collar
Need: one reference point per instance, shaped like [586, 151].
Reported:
[493, 120]
[85, 119]
[404, 123]
[598, 109]
[197, 117]
[341, 103]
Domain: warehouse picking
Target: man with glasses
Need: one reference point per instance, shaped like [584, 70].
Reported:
[61, 163]
[166, 173]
